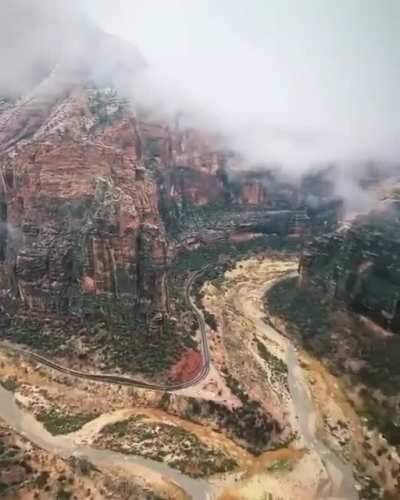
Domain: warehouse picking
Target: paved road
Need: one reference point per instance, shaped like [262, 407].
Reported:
[197, 489]
[124, 380]
[341, 482]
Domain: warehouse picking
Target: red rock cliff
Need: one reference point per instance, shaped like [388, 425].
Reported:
[79, 210]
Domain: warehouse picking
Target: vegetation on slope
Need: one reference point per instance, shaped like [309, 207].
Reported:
[56, 421]
[323, 328]
[177, 447]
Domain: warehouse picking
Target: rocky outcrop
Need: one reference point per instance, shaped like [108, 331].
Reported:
[360, 264]
[87, 188]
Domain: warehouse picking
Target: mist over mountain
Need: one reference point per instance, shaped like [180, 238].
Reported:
[199, 249]
[294, 85]
[35, 37]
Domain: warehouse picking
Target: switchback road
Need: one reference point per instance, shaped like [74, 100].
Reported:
[125, 380]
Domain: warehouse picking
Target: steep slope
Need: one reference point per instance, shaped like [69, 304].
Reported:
[95, 202]
[81, 233]
[97, 199]
[79, 206]
[360, 264]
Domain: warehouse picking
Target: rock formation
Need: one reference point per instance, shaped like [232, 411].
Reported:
[78, 212]
[360, 264]
[97, 199]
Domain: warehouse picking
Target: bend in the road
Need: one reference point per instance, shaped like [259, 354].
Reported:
[125, 380]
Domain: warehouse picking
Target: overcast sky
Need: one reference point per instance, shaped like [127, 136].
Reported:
[298, 80]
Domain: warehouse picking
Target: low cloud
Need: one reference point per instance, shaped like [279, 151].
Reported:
[294, 84]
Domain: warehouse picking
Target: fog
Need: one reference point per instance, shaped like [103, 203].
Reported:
[291, 83]
[297, 82]
[34, 36]
[37, 36]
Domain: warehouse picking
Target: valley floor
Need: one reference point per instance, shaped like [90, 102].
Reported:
[254, 427]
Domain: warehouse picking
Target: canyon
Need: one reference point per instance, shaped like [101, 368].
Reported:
[180, 319]
[96, 203]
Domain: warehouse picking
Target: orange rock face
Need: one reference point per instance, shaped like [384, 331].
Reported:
[88, 284]
[93, 199]
[195, 187]
[252, 193]
[78, 208]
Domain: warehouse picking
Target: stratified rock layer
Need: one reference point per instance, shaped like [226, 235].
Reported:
[80, 213]
[96, 200]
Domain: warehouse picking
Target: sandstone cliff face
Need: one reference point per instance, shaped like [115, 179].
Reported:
[189, 163]
[79, 212]
[207, 190]
[253, 193]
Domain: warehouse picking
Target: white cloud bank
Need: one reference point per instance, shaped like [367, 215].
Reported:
[297, 82]
[293, 83]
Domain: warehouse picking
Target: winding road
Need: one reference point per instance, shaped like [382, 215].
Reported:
[340, 483]
[28, 426]
[124, 380]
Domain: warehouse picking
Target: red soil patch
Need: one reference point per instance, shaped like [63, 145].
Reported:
[88, 284]
[187, 367]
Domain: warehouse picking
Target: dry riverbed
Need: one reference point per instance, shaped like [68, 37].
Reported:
[261, 367]
[248, 382]
[341, 422]
[28, 472]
